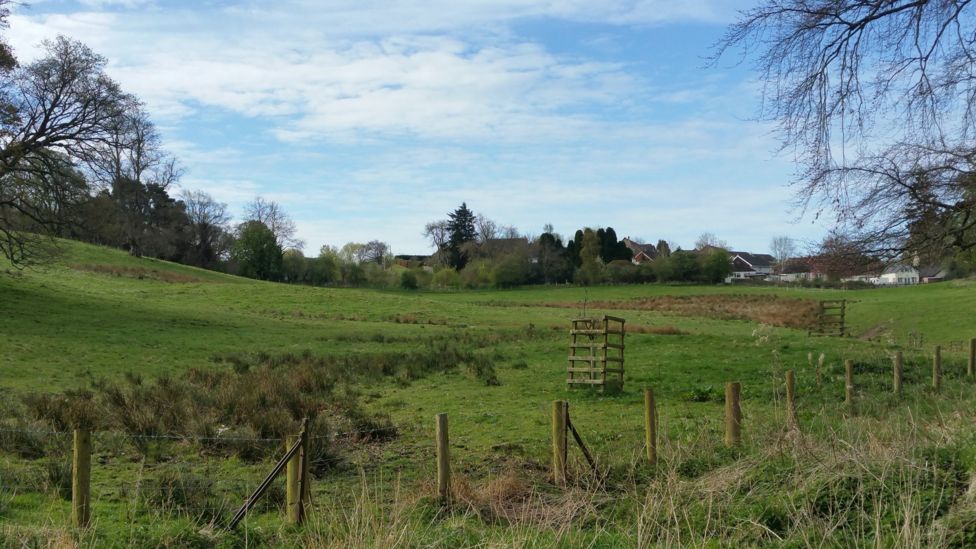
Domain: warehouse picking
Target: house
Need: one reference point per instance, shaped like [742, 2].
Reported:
[642, 252]
[898, 274]
[747, 265]
[797, 270]
[410, 261]
[932, 273]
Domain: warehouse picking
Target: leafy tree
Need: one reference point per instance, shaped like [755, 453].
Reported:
[274, 217]
[61, 106]
[685, 267]
[876, 99]
[716, 266]
[294, 267]
[256, 252]
[553, 264]
[663, 248]
[591, 266]
[461, 230]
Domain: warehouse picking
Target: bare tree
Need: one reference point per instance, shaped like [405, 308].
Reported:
[782, 248]
[707, 239]
[487, 229]
[208, 223]
[274, 217]
[373, 251]
[868, 92]
[508, 231]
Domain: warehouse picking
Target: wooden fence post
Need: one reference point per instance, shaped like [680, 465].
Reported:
[297, 485]
[559, 441]
[293, 505]
[443, 461]
[849, 382]
[81, 479]
[899, 372]
[791, 420]
[971, 369]
[650, 425]
[937, 369]
[733, 414]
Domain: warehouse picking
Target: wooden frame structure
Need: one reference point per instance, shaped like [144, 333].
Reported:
[830, 319]
[596, 354]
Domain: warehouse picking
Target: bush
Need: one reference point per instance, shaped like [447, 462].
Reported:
[408, 280]
[446, 278]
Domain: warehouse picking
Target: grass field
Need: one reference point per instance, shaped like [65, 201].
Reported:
[893, 471]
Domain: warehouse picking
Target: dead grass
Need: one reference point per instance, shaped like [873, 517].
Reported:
[656, 330]
[140, 273]
[788, 312]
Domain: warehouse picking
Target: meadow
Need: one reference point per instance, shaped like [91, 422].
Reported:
[190, 378]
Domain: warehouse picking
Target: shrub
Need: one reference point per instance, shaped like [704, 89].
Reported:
[408, 280]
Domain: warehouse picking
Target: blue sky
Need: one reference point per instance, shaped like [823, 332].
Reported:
[366, 120]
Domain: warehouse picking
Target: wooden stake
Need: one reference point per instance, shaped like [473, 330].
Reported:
[849, 382]
[81, 479]
[899, 372]
[559, 441]
[937, 369]
[650, 425]
[733, 414]
[971, 369]
[443, 461]
[791, 420]
[293, 500]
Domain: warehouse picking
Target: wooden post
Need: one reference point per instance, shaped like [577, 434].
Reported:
[791, 420]
[297, 485]
[733, 414]
[899, 372]
[559, 441]
[305, 467]
[937, 369]
[650, 425]
[849, 382]
[971, 369]
[443, 461]
[293, 505]
[81, 479]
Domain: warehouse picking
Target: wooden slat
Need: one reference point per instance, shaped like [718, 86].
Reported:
[593, 358]
[586, 381]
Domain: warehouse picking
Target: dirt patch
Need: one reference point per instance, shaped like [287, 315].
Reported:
[140, 273]
[788, 312]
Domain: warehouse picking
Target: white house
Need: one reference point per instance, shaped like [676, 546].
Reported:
[748, 265]
[898, 274]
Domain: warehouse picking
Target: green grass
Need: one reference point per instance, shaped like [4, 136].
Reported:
[69, 325]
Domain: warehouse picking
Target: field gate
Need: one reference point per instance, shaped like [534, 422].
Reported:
[830, 319]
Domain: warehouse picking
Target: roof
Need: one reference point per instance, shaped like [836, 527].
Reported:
[895, 268]
[755, 261]
[647, 249]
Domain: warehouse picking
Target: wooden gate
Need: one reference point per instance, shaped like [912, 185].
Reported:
[830, 319]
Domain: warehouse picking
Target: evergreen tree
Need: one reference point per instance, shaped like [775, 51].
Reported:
[461, 230]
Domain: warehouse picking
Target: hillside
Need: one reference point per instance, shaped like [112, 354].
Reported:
[493, 360]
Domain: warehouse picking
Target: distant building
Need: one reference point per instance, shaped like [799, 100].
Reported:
[642, 252]
[747, 265]
[898, 274]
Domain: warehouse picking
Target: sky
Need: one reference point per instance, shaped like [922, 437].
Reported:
[366, 120]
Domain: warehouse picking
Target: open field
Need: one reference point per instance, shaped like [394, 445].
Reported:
[376, 366]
